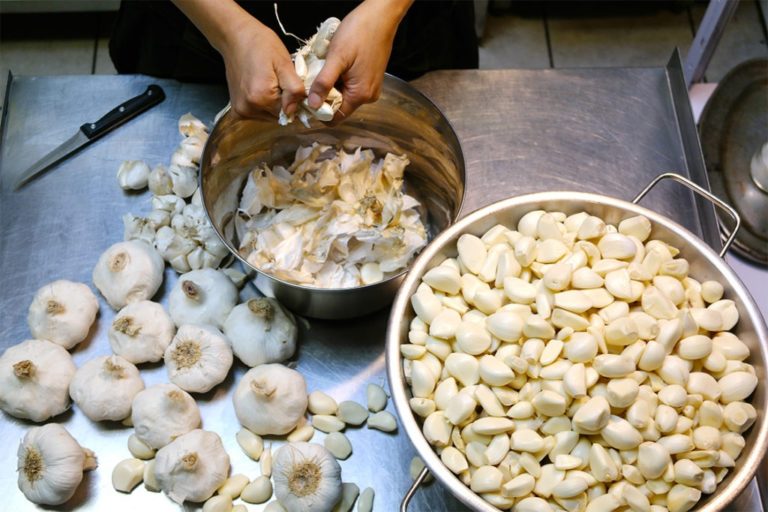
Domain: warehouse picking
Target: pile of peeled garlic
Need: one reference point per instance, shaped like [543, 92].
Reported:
[570, 364]
[330, 219]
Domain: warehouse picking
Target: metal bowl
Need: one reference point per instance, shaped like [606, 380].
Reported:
[705, 264]
[402, 121]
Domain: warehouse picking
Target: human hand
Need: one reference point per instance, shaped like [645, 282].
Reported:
[358, 55]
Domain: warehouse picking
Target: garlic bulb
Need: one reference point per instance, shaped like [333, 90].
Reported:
[183, 177]
[203, 296]
[128, 272]
[62, 312]
[270, 399]
[159, 181]
[104, 388]
[307, 477]
[192, 467]
[261, 331]
[162, 413]
[141, 332]
[51, 464]
[133, 175]
[34, 380]
[198, 358]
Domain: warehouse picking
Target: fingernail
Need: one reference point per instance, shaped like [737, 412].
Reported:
[315, 100]
[290, 109]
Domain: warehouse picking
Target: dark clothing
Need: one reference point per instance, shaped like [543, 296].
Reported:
[155, 38]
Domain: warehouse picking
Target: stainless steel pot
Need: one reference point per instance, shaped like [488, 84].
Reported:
[402, 121]
[705, 264]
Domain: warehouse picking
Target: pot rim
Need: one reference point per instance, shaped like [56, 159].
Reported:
[743, 472]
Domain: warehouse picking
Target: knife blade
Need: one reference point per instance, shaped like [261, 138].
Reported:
[89, 132]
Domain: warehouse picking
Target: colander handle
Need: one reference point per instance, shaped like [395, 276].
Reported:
[702, 192]
[414, 487]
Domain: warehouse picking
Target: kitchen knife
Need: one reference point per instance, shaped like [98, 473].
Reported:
[89, 132]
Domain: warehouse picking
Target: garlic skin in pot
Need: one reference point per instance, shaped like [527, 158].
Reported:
[307, 477]
[198, 358]
[128, 272]
[62, 312]
[192, 467]
[104, 388]
[162, 413]
[133, 175]
[261, 331]
[203, 296]
[270, 399]
[51, 464]
[141, 332]
[34, 380]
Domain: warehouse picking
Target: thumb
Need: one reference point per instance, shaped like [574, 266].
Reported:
[292, 87]
[324, 82]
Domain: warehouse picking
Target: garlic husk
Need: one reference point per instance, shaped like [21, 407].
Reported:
[261, 331]
[198, 358]
[192, 467]
[191, 126]
[128, 272]
[141, 332]
[133, 175]
[51, 464]
[203, 296]
[159, 181]
[34, 380]
[104, 388]
[163, 412]
[62, 312]
[270, 399]
[307, 477]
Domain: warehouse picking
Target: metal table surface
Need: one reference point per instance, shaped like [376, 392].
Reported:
[601, 130]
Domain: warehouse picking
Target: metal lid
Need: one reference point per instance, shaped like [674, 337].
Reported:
[733, 128]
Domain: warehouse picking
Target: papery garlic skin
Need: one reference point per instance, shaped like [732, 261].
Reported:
[198, 358]
[191, 126]
[141, 332]
[133, 175]
[34, 380]
[192, 467]
[270, 399]
[62, 312]
[307, 477]
[128, 272]
[203, 296]
[104, 388]
[261, 331]
[51, 464]
[159, 181]
[163, 412]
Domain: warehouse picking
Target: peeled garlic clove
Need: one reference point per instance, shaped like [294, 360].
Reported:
[377, 398]
[133, 175]
[127, 474]
[352, 413]
[382, 420]
[139, 448]
[472, 252]
[320, 403]
[617, 246]
[252, 444]
[338, 444]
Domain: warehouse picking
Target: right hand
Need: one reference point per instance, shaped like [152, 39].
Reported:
[260, 73]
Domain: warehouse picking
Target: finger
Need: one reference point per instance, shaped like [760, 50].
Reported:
[325, 80]
[292, 88]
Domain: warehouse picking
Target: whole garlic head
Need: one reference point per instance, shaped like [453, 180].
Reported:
[203, 296]
[104, 388]
[261, 331]
[270, 399]
[163, 412]
[34, 380]
[198, 358]
[128, 272]
[133, 175]
[62, 312]
[141, 332]
[51, 464]
[307, 477]
[192, 467]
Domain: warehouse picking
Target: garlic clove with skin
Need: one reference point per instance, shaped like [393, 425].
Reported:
[192, 467]
[203, 296]
[163, 412]
[62, 312]
[141, 332]
[133, 175]
[159, 181]
[104, 388]
[261, 331]
[306, 477]
[198, 358]
[51, 464]
[128, 272]
[34, 380]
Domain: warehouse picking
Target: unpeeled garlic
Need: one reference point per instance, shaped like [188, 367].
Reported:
[198, 358]
[62, 312]
[307, 477]
[261, 331]
[270, 399]
[128, 272]
[162, 413]
[104, 388]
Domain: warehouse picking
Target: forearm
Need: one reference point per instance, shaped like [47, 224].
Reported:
[216, 19]
[392, 11]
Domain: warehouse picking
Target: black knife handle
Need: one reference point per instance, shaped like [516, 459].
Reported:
[123, 112]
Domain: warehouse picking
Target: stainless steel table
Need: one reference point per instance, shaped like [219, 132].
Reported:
[602, 130]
